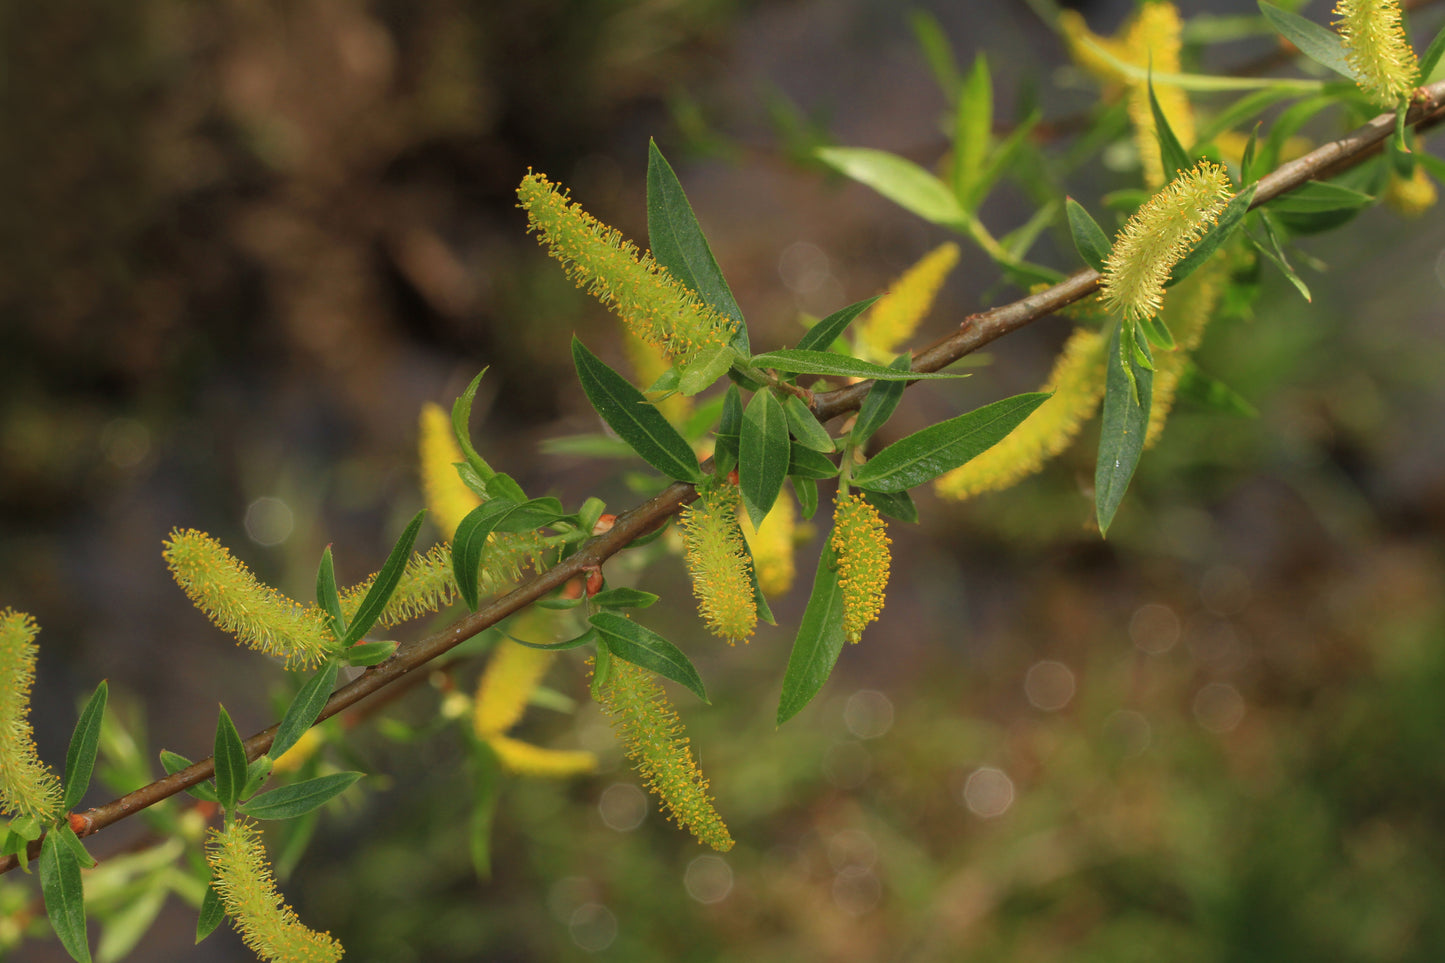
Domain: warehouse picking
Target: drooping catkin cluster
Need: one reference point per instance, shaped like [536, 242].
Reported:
[448, 499]
[525, 759]
[896, 315]
[771, 544]
[860, 543]
[1375, 45]
[506, 686]
[654, 740]
[242, 878]
[427, 585]
[651, 303]
[237, 602]
[27, 786]
[717, 560]
[1413, 195]
[1158, 235]
[1077, 383]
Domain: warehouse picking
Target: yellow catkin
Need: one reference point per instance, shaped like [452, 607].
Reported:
[1077, 383]
[650, 302]
[771, 544]
[860, 543]
[237, 602]
[1153, 41]
[428, 584]
[448, 499]
[650, 363]
[1385, 67]
[717, 560]
[1187, 312]
[1158, 236]
[1078, 37]
[27, 786]
[654, 740]
[525, 759]
[506, 686]
[242, 878]
[1413, 195]
[896, 315]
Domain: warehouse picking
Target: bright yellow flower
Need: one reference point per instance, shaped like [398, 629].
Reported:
[894, 317]
[27, 786]
[860, 543]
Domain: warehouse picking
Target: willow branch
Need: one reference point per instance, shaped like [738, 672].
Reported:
[973, 333]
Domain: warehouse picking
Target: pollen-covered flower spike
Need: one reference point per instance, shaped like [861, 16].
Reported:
[717, 560]
[1385, 67]
[242, 879]
[895, 316]
[237, 602]
[448, 498]
[651, 303]
[1158, 236]
[27, 786]
[652, 734]
[860, 542]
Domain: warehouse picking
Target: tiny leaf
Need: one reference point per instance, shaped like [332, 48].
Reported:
[1089, 238]
[641, 646]
[623, 598]
[879, 404]
[822, 335]
[762, 454]
[1125, 423]
[212, 912]
[84, 739]
[730, 425]
[585, 638]
[304, 708]
[806, 490]
[634, 419]
[804, 425]
[370, 653]
[384, 585]
[897, 505]
[327, 598]
[818, 642]
[174, 762]
[300, 798]
[230, 756]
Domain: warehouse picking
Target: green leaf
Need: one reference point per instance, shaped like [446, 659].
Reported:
[819, 640]
[1156, 332]
[972, 130]
[1315, 42]
[1209, 392]
[174, 762]
[729, 429]
[1318, 197]
[936, 50]
[806, 490]
[531, 515]
[327, 598]
[212, 912]
[1003, 158]
[384, 586]
[1224, 227]
[879, 404]
[77, 848]
[926, 454]
[1274, 253]
[300, 798]
[897, 505]
[623, 598]
[470, 542]
[1240, 111]
[797, 361]
[1089, 238]
[1431, 58]
[585, 638]
[678, 243]
[503, 486]
[257, 772]
[636, 421]
[486, 791]
[304, 708]
[64, 894]
[1246, 162]
[641, 646]
[230, 756]
[898, 179]
[762, 454]
[804, 426]
[810, 464]
[370, 653]
[80, 757]
[765, 611]
[461, 427]
[703, 371]
[125, 925]
[1125, 422]
[1172, 154]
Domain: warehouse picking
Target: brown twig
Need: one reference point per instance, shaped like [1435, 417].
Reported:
[975, 331]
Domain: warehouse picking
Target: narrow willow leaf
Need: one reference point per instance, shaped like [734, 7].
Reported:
[1125, 423]
[1274, 253]
[370, 653]
[461, 426]
[300, 798]
[760, 601]
[810, 464]
[1171, 153]
[818, 642]
[804, 426]
[1317, 197]
[1246, 166]
[1156, 332]
[257, 772]
[1432, 57]
[80, 757]
[531, 515]
[879, 404]
[470, 542]
[77, 849]
[898, 179]
[328, 599]
[1089, 238]
[897, 505]
[230, 756]
[795, 361]
[1320, 44]
[763, 451]
[926, 454]
[623, 598]
[634, 419]
[730, 426]
[678, 243]
[1209, 392]
[703, 371]
[641, 646]
[212, 912]
[972, 129]
[806, 491]
[1240, 111]
[586, 638]
[64, 894]
[937, 51]
[304, 708]
[384, 585]
[822, 335]
[174, 762]
[1223, 229]
[486, 791]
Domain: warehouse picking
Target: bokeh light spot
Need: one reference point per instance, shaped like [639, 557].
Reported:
[857, 891]
[1218, 707]
[1154, 628]
[1128, 731]
[1049, 685]
[868, 714]
[592, 927]
[622, 807]
[708, 879]
[269, 521]
[988, 792]
[852, 849]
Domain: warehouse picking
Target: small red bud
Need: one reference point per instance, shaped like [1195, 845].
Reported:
[604, 524]
[572, 589]
[206, 809]
[733, 477]
[78, 823]
[594, 581]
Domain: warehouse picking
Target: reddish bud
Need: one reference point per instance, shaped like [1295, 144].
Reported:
[733, 477]
[206, 809]
[604, 524]
[573, 589]
[594, 581]
[80, 824]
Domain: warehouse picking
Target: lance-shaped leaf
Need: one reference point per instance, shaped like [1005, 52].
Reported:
[1171, 153]
[366, 654]
[64, 894]
[623, 598]
[327, 596]
[762, 454]
[641, 646]
[729, 428]
[897, 505]
[299, 798]
[1125, 423]
[634, 419]
[926, 454]
[822, 335]
[470, 542]
[1321, 45]
[678, 243]
[230, 757]
[174, 762]
[806, 463]
[586, 638]
[384, 585]
[804, 426]
[819, 640]
[898, 179]
[796, 361]
[304, 708]
[972, 128]
[879, 404]
[211, 914]
[461, 427]
[80, 757]
[1089, 238]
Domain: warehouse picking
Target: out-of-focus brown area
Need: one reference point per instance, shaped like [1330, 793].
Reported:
[243, 243]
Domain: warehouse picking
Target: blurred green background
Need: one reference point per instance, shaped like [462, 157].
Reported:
[243, 243]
